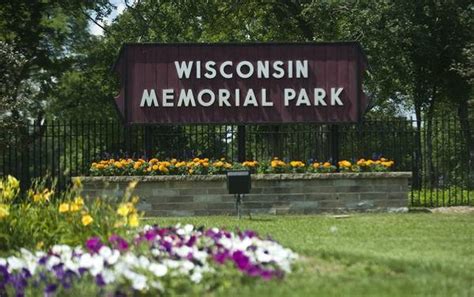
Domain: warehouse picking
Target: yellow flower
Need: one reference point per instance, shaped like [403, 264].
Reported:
[297, 164]
[79, 201]
[4, 211]
[345, 163]
[64, 207]
[137, 165]
[155, 167]
[133, 220]
[77, 181]
[132, 185]
[39, 245]
[326, 165]
[74, 207]
[173, 161]
[387, 163]
[118, 164]
[180, 164]
[86, 220]
[13, 182]
[123, 210]
[135, 199]
[163, 168]
[316, 165]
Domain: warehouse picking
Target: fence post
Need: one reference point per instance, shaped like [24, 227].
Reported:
[241, 153]
[148, 142]
[334, 143]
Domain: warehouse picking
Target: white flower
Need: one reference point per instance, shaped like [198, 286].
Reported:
[15, 263]
[143, 262]
[183, 251]
[188, 228]
[105, 252]
[86, 261]
[108, 276]
[52, 261]
[97, 265]
[113, 258]
[186, 266]
[138, 281]
[262, 256]
[3, 262]
[196, 277]
[158, 269]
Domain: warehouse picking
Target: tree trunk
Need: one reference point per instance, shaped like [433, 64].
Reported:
[466, 129]
[429, 141]
[417, 157]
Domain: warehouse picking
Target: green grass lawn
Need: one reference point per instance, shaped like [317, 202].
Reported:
[364, 255]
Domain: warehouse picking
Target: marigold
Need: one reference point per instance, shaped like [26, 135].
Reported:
[345, 163]
[163, 168]
[326, 165]
[86, 220]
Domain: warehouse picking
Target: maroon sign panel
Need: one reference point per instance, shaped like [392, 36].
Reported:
[241, 83]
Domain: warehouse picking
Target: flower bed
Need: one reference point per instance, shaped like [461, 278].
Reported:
[65, 245]
[150, 263]
[205, 166]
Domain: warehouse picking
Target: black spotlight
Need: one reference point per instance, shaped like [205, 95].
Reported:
[238, 183]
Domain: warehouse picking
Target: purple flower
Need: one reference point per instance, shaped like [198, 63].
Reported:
[118, 242]
[99, 280]
[150, 234]
[241, 260]
[94, 244]
[191, 241]
[266, 274]
[249, 233]
[221, 257]
[50, 289]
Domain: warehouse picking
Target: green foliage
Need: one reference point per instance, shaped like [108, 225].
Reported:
[451, 196]
[41, 219]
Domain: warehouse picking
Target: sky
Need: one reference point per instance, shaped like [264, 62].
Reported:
[96, 30]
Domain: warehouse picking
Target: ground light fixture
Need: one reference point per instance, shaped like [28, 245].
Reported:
[238, 183]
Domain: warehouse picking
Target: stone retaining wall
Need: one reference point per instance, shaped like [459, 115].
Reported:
[271, 193]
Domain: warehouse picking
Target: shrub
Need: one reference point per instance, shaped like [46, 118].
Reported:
[42, 218]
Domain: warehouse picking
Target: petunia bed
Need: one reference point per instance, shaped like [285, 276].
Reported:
[156, 261]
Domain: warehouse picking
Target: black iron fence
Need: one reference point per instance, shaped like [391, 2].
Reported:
[436, 153]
